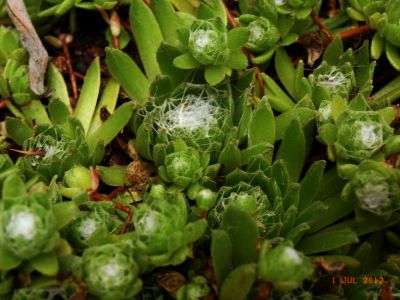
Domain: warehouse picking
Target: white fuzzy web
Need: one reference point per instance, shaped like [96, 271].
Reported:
[193, 117]
[46, 144]
[334, 81]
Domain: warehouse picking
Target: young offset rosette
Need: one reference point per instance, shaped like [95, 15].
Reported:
[207, 43]
[162, 231]
[375, 188]
[250, 199]
[360, 10]
[387, 37]
[184, 166]
[55, 149]
[195, 113]
[360, 134]
[92, 227]
[28, 225]
[333, 80]
[110, 272]
[284, 266]
[300, 9]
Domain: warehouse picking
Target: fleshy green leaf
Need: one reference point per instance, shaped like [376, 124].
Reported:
[128, 75]
[147, 35]
[282, 122]
[8, 261]
[243, 233]
[377, 46]
[65, 212]
[58, 112]
[46, 263]
[333, 52]
[262, 125]
[293, 149]
[112, 176]
[237, 38]
[57, 85]
[166, 17]
[325, 241]
[107, 101]
[237, 60]
[215, 74]
[89, 94]
[112, 126]
[238, 283]
[186, 61]
[393, 55]
[165, 54]
[230, 157]
[18, 130]
[13, 186]
[221, 254]
[310, 183]
[285, 70]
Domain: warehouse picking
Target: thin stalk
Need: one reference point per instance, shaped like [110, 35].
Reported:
[14, 110]
[65, 40]
[355, 31]
[319, 22]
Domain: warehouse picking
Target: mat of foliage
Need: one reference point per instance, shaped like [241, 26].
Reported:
[199, 149]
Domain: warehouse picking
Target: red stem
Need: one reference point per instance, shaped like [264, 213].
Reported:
[319, 22]
[355, 31]
[70, 68]
[3, 103]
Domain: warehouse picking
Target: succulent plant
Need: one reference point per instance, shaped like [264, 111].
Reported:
[386, 39]
[196, 114]
[374, 188]
[29, 226]
[162, 231]
[184, 166]
[360, 134]
[111, 272]
[209, 44]
[297, 8]
[254, 175]
[296, 266]
[360, 10]
[92, 227]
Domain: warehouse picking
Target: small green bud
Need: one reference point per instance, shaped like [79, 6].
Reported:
[87, 224]
[78, 177]
[183, 167]
[360, 134]
[375, 188]
[28, 225]
[284, 266]
[207, 43]
[263, 35]
[206, 199]
[336, 80]
[244, 201]
[110, 272]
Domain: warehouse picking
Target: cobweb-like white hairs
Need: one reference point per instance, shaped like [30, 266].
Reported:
[52, 147]
[334, 81]
[194, 117]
